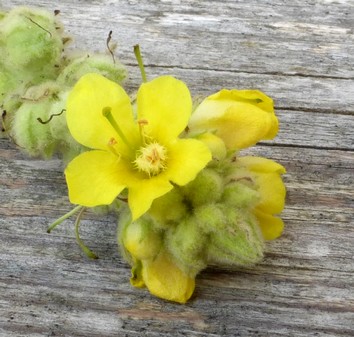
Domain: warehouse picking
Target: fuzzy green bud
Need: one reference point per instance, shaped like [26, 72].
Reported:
[205, 188]
[237, 194]
[92, 63]
[29, 133]
[239, 243]
[209, 217]
[39, 124]
[65, 143]
[169, 208]
[30, 42]
[141, 239]
[186, 243]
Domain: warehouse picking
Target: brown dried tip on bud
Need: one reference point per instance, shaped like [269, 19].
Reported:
[56, 11]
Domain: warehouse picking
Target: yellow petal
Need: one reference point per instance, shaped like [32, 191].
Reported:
[166, 104]
[272, 192]
[271, 226]
[96, 178]
[165, 280]
[215, 144]
[270, 184]
[143, 192]
[85, 103]
[240, 118]
[186, 158]
[262, 165]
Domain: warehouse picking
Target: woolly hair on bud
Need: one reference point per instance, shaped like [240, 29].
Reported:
[239, 243]
[31, 41]
[39, 125]
[66, 144]
[92, 63]
[168, 208]
[41, 92]
[7, 82]
[209, 217]
[237, 194]
[205, 188]
[186, 244]
[29, 133]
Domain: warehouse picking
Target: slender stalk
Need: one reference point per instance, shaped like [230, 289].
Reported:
[140, 62]
[84, 248]
[64, 217]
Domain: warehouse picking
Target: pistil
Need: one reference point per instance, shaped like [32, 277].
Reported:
[107, 113]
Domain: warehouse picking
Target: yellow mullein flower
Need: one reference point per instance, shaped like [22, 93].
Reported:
[143, 155]
[239, 117]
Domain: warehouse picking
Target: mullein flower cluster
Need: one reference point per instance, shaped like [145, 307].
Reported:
[187, 197]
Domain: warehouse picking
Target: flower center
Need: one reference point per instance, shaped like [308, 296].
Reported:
[151, 159]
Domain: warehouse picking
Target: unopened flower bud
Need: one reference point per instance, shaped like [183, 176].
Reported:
[92, 63]
[237, 194]
[239, 243]
[205, 188]
[31, 41]
[141, 239]
[169, 208]
[186, 243]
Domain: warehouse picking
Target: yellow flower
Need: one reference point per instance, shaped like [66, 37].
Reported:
[239, 117]
[143, 155]
[267, 176]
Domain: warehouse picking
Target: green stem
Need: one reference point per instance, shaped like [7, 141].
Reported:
[84, 248]
[140, 62]
[64, 217]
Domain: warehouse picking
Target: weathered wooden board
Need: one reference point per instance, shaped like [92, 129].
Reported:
[301, 54]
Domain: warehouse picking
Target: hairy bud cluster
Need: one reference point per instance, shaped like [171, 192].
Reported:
[37, 73]
[210, 221]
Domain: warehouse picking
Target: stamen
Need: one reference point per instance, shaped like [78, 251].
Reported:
[142, 123]
[111, 144]
[151, 159]
[107, 112]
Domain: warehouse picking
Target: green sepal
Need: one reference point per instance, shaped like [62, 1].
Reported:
[238, 194]
[168, 209]
[205, 188]
[239, 243]
[186, 244]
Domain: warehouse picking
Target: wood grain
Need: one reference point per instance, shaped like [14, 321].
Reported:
[301, 54]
